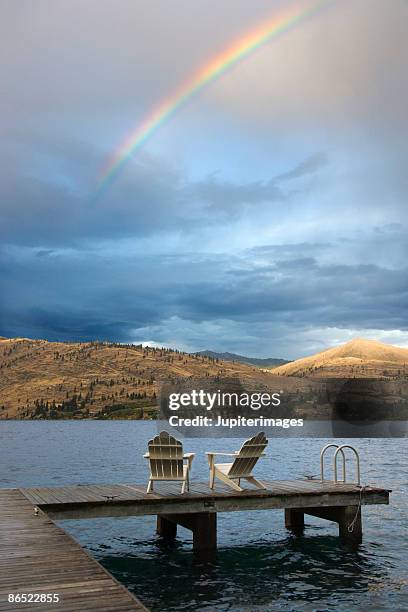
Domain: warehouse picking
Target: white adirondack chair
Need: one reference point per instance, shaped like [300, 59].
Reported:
[242, 465]
[167, 461]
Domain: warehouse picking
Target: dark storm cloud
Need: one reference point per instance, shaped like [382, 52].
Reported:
[91, 299]
[302, 292]
[59, 325]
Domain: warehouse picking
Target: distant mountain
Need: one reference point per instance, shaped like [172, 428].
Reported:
[358, 358]
[261, 363]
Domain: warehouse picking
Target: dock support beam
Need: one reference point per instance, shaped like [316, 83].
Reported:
[202, 524]
[350, 519]
[347, 517]
[295, 520]
[165, 528]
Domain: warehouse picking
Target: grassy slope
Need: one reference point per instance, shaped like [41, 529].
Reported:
[91, 379]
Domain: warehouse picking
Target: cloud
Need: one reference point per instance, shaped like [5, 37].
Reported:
[267, 211]
[222, 196]
[239, 303]
[151, 197]
[310, 165]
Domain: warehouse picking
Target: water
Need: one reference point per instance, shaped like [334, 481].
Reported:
[259, 565]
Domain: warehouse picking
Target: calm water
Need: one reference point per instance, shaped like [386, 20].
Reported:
[259, 566]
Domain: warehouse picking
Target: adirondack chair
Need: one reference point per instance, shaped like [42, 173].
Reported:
[167, 461]
[242, 465]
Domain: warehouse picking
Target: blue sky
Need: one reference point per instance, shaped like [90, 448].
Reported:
[267, 217]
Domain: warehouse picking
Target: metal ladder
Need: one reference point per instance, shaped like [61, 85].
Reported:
[339, 450]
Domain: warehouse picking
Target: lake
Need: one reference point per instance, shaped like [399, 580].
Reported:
[259, 566]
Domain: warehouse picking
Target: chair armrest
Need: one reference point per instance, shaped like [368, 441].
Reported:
[146, 456]
[222, 454]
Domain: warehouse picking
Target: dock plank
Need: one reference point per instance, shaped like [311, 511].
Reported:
[37, 556]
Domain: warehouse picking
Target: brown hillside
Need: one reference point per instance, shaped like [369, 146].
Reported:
[40, 379]
[358, 358]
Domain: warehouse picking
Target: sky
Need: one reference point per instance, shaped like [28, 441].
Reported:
[267, 217]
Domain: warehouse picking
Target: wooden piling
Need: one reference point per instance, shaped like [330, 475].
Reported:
[350, 525]
[202, 524]
[295, 520]
[166, 528]
[348, 519]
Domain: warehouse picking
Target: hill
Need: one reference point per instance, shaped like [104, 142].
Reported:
[43, 380]
[358, 358]
[261, 363]
[40, 379]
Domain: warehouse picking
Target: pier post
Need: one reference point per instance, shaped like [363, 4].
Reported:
[165, 528]
[348, 519]
[205, 531]
[202, 524]
[350, 525]
[295, 520]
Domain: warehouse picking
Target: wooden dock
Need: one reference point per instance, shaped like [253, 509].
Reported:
[198, 508]
[37, 557]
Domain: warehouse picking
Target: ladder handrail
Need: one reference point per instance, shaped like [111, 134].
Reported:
[322, 453]
[340, 449]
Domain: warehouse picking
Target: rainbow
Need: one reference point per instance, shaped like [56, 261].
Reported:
[211, 71]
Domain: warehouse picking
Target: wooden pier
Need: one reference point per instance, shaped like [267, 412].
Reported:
[197, 509]
[37, 556]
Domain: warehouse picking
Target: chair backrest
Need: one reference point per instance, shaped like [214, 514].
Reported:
[247, 457]
[166, 457]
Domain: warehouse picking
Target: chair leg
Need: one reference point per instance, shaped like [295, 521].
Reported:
[212, 476]
[255, 482]
[228, 481]
[150, 486]
[183, 486]
[211, 466]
